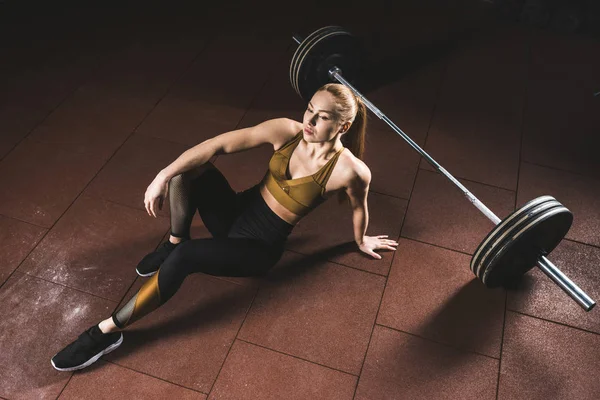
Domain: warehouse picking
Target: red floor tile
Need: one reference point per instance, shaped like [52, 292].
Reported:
[109, 381]
[146, 66]
[212, 97]
[39, 319]
[542, 360]
[432, 293]
[182, 120]
[16, 121]
[17, 240]
[318, 311]
[392, 162]
[187, 339]
[409, 103]
[538, 295]
[39, 181]
[95, 247]
[126, 176]
[439, 214]
[32, 93]
[475, 133]
[277, 99]
[578, 193]
[94, 115]
[401, 366]
[562, 115]
[252, 372]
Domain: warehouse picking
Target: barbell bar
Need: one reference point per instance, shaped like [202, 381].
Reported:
[516, 244]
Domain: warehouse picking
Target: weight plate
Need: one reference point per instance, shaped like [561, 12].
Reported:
[333, 48]
[507, 235]
[537, 235]
[500, 229]
[307, 42]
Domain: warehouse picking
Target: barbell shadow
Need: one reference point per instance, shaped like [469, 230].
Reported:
[471, 306]
[408, 60]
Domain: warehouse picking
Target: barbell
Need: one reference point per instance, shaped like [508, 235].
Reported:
[517, 243]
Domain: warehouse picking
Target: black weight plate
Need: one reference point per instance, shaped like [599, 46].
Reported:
[499, 230]
[302, 48]
[542, 233]
[306, 43]
[509, 234]
[336, 48]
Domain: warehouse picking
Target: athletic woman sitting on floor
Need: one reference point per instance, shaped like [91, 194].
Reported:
[313, 160]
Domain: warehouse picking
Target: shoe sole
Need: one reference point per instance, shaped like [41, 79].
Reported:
[145, 275]
[92, 360]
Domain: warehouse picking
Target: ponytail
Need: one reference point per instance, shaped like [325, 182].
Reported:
[354, 139]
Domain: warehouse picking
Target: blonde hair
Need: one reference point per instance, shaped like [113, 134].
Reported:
[350, 109]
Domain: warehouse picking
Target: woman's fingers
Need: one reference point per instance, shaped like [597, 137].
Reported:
[153, 207]
[375, 255]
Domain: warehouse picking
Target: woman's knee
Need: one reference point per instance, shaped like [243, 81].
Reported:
[188, 176]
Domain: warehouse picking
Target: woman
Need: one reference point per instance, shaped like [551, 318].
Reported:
[249, 228]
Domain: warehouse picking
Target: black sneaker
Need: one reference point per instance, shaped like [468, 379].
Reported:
[87, 349]
[152, 262]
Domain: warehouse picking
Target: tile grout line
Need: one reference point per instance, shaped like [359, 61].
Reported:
[437, 245]
[528, 58]
[212, 387]
[297, 357]
[23, 221]
[501, 344]
[150, 375]
[339, 264]
[450, 346]
[66, 384]
[553, 322]
[258, 93]
[595, 178]
[471, 181]
[433, 111]
[68, 287]
[77, 85]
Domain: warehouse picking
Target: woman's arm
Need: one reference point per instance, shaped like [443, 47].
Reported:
[273, 131]
[357, 191]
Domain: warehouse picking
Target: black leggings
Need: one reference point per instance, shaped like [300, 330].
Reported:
[248, 239]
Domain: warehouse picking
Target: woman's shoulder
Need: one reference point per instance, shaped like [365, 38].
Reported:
[283, 130]
[354, 169]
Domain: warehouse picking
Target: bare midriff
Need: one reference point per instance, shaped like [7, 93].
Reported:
[277, 208]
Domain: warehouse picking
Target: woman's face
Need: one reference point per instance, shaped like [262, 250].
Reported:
[321, 120]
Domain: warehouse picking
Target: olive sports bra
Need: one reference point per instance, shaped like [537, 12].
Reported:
[300, 195]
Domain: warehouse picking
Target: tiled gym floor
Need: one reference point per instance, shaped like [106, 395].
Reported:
[95, 101]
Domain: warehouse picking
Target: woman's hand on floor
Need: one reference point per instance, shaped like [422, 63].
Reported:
[372, 243]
